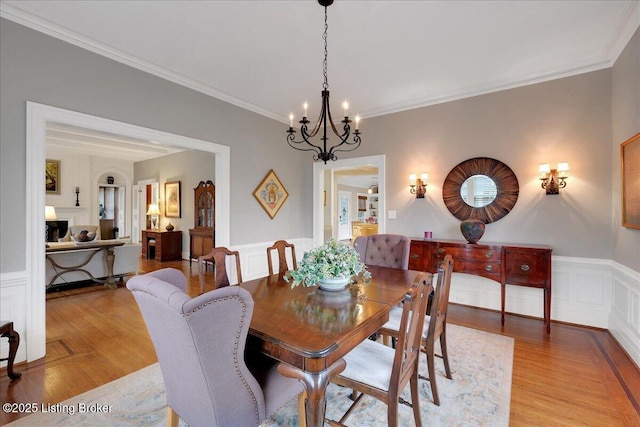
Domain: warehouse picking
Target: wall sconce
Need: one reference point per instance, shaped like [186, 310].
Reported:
[418, 186]
[554, 179]
[77, 194]
[154, 212]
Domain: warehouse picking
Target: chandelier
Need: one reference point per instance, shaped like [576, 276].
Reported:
[322, 152]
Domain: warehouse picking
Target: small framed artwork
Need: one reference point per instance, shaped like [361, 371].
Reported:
[52, 176]
[271, 194]
[630, 171]
[172, 205]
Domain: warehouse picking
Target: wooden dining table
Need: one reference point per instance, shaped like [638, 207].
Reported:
[309, 330]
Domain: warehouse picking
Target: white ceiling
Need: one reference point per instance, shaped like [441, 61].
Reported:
[103, 144]
[384, 56]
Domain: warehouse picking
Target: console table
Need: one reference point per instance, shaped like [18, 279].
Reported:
[519, 265]
[167, 244]
[91, 248]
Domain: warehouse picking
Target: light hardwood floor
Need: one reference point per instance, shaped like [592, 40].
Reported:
[575, 376]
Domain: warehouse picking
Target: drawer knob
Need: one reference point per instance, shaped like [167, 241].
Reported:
[488, 267]
[414, 256]
[488, 254]
[440, 251]
[525, 267]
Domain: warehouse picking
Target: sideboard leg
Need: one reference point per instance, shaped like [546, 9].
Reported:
[503, 288]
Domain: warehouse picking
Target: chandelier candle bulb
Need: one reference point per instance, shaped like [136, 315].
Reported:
[291, 120]
[357, 122]
[306, 107]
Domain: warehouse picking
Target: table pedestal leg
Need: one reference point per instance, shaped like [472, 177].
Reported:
[111, 256]
[315, 384]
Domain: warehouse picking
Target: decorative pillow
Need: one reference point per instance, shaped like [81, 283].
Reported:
[83, 236]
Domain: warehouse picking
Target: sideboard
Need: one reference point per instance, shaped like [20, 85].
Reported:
[519, 265]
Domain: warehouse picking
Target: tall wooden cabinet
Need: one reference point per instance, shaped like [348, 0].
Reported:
[202, 235]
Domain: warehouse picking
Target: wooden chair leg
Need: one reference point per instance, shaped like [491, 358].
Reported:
[445, 356]
[432, 376]
[392, 411]
[302, 419]
[415, 399]
[172, 418]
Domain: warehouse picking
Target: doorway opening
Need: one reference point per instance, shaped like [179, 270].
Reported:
[38, 116]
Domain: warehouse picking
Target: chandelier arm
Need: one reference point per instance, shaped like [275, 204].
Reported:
[291, 140]
[355, 143]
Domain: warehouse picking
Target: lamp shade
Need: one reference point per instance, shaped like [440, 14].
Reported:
[50, 213]
[153, 210]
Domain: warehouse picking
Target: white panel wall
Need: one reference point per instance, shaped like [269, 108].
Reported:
[13, 307]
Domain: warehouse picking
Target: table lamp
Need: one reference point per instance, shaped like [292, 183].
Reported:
[49, 215]
[154, 212]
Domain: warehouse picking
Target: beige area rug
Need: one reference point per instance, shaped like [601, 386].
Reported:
[478, 395]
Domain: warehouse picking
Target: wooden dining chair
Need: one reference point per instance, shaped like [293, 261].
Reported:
[382, 372]
[281, 246]
[435, 326]
[219, 258]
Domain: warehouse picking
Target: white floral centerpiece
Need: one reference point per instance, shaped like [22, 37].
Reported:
[332, 260]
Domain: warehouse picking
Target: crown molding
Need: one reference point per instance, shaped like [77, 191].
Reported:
[19, 16]
[629, 22]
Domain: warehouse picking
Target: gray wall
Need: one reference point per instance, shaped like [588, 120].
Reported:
[189, 167]
[565, 119]
[39, 68]
[626, 123]
[580, 119]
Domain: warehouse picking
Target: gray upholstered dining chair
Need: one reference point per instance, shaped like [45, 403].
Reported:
[200, 344]
[281, 247]
[384, 250]
[382, 372]
[435, 325]
[219, 257]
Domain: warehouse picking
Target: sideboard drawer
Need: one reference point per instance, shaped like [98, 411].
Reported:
[527, 267]
[488, 269]
[480, 253]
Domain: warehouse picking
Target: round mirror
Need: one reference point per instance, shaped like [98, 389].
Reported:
[478, 191]
[484, 171]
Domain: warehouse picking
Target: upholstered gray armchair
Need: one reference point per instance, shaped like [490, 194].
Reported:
[385, 250]
[200, 344]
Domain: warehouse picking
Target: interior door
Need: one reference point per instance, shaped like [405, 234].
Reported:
[344, 215]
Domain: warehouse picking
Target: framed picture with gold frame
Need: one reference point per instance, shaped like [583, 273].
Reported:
[271, 194]
[52, 176]
[630, 171]
[172, 205]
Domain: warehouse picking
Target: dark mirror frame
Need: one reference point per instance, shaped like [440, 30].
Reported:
[501, 174]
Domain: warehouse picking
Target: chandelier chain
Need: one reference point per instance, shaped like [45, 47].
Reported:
[325, 85]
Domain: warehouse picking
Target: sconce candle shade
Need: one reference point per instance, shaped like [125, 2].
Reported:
[418, 186]
[554, 179]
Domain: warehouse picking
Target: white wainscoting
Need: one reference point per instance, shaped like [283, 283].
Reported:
[580, 292]
[253, 257]
[13, 307]
[624, 316]
[591, 292]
